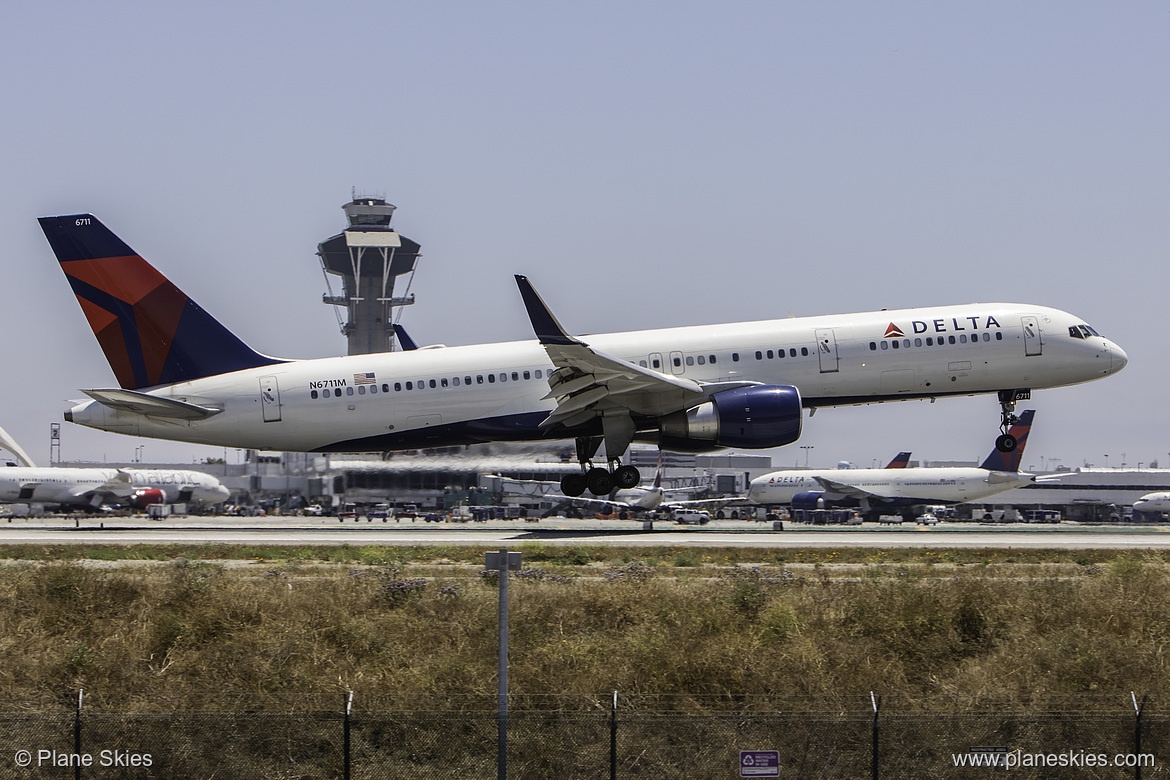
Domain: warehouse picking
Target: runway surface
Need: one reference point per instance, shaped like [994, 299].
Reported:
[719, 533]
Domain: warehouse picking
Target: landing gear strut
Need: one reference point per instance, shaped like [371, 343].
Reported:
[1007, 405]
[599, 481]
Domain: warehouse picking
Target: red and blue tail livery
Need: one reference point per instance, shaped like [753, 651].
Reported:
[151, 332]
[1010, 461]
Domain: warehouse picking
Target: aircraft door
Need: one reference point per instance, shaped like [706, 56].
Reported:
[827, 349]
[676, 363]
[1033, 345]
[270, 398]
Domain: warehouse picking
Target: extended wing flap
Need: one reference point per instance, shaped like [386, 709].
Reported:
[151, 405]
[587, 383]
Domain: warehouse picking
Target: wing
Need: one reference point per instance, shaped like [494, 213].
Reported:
[588, 383]
[841, 490]
[118, 486]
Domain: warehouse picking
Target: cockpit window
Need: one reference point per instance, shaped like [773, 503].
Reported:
[1075, 331]
[1081, 331]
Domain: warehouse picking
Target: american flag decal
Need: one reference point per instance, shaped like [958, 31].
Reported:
[364, 379]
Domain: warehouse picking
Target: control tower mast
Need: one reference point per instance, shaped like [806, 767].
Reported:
[368, 256]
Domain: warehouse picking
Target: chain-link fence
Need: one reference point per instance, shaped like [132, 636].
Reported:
[569, 737]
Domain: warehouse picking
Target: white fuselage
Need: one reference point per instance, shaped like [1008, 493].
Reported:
[946, 485]
[80, 486]
[1153, 503]
[493, 392]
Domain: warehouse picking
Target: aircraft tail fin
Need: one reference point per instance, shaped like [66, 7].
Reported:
[1010, 461]
[900, 461]
[658, 472]
[151, 332]
[404, 340]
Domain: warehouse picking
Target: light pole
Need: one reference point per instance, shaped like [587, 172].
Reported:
[806, 448]
[502, 562]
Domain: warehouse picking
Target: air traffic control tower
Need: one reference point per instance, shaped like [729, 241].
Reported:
[369, 256]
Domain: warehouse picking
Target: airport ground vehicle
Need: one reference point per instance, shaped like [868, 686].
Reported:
[691, 516]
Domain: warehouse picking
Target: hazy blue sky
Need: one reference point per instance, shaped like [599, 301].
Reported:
[647, 164]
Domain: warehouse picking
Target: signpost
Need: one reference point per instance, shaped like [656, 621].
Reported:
[502, 562]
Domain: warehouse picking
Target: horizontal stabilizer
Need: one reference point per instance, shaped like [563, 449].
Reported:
[151, 405]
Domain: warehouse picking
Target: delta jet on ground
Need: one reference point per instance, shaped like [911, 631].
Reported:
[896, 491]
[183, 376]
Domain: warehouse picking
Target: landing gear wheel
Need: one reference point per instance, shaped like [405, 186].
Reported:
[573, 485]
[1005, 443]
[600, 482]
[626, 477]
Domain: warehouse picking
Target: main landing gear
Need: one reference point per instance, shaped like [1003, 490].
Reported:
[1007, 405]
[599, 481]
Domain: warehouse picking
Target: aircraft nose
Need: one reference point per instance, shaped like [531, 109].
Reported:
[1117, 358]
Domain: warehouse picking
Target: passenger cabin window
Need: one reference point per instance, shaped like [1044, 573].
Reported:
[312, 393]
[677, 362]
[712, 359]
[702, 360]
[734, 357]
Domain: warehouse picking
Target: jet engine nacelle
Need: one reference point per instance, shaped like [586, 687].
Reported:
[749, 417]
[810, 499]
[145, 497]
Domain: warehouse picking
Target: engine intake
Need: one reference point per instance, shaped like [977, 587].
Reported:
[810, 499]
[749, 417]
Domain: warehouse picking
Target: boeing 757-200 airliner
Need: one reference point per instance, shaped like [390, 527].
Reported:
[183, 376]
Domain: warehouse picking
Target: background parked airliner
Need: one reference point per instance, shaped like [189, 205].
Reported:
[92, 487]
[894, 491]
[1153, 503]
[184, 376]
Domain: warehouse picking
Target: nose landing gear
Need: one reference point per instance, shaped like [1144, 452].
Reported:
[1007, 405]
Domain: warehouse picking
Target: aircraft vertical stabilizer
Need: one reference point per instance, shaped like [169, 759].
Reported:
[151, 332]
[1010, 461]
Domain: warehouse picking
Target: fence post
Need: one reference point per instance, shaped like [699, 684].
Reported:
[345, 738]
[77, 734]
[613, 739]
[876, 701]
[1137, 732]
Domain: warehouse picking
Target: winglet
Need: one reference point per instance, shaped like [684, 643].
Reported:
[1010, 461]
[404, 341]
[547, 329]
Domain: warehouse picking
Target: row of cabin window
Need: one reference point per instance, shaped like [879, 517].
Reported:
[705, 359]
[702, 360]
[779, 353]
[932, 341]
[424, 383]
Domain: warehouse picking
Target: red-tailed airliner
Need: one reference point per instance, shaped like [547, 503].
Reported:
[183, 376]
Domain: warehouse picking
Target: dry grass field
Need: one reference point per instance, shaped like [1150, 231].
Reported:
[403, 621]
